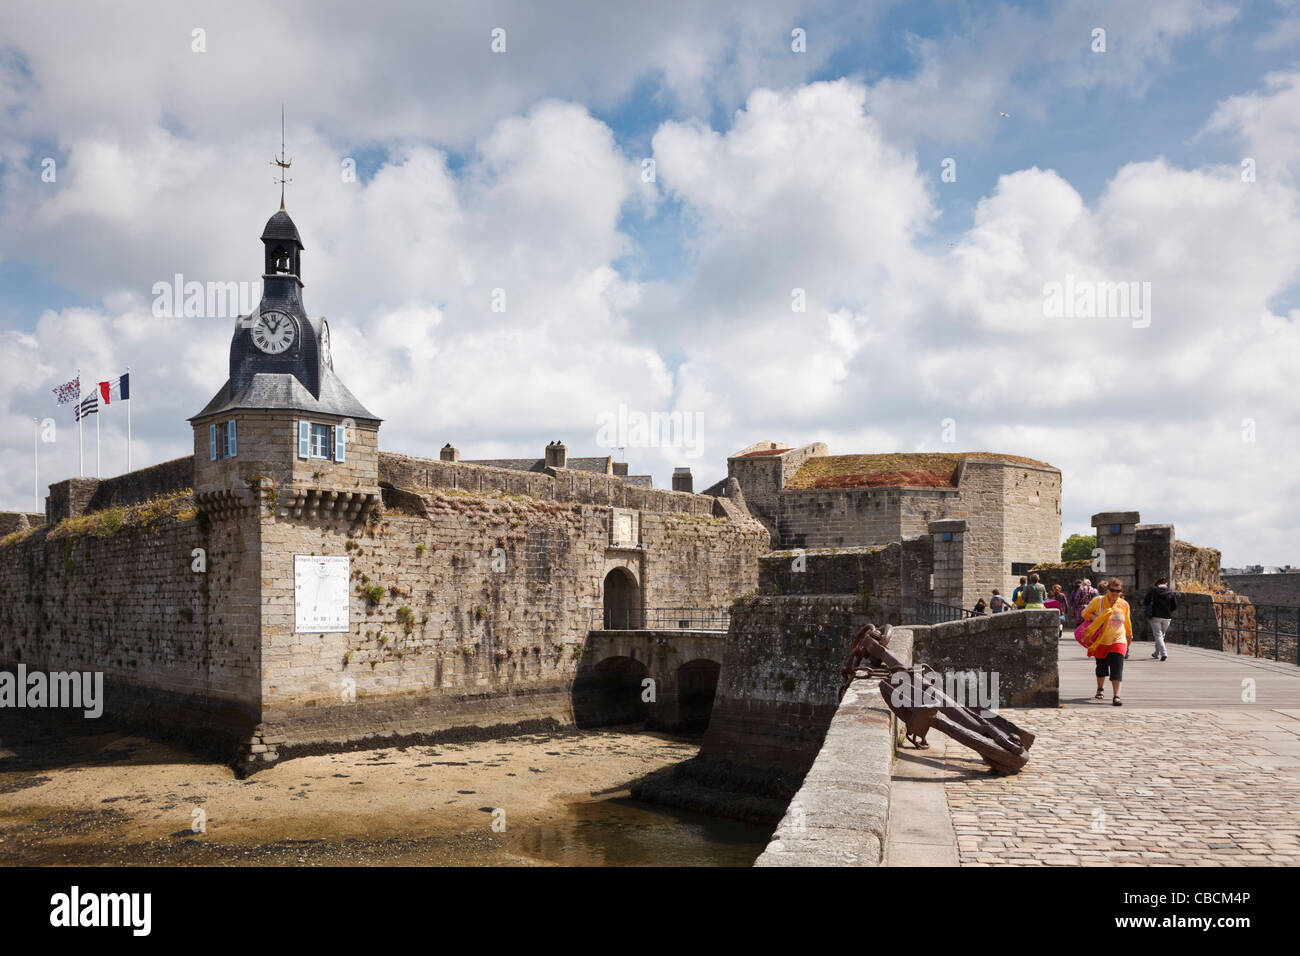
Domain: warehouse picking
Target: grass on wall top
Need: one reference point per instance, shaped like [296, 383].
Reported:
[913, 470]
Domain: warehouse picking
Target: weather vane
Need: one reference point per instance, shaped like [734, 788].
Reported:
[280, 161]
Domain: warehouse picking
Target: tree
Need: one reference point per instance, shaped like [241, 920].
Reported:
[1078, 546]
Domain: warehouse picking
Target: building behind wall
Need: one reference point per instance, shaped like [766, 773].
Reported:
[994, 516]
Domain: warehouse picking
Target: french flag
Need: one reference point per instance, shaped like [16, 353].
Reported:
[118, 390]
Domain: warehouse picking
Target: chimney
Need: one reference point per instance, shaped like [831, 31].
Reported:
[682, 480]
[448, 453]
[557, 455]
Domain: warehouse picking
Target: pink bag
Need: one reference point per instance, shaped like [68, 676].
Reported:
[1080, 636]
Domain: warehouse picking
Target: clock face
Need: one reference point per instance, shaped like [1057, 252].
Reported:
[273, 332]
[325, 343]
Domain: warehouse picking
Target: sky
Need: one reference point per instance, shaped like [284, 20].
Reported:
[1068, 231]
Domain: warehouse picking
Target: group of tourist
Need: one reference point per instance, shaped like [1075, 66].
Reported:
[1101, 619]
[1030, 594]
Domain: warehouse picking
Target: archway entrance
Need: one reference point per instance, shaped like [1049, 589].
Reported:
[610, 693]
[622, 600]
[697, 685]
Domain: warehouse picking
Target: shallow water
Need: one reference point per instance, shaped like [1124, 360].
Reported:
[621, 831]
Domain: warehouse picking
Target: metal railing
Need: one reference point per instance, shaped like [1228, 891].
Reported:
[1259, 630]
[660, 619]
[932, 612]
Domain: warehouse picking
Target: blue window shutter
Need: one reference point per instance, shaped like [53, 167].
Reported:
[212, 442]
[340, 442]
[231, 443]
[304, 439]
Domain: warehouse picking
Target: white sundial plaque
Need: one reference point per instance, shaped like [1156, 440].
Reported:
[320, 592]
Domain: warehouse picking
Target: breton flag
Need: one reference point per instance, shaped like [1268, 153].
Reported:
[68, 391]
[118, 390]
[88, 406]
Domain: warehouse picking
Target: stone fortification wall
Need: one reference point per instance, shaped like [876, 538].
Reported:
[466, 610]
[581, 487]
[116, 592]
[75, 496]
[887, 579]
[474, 610]
[11, 521]
[1283, 589]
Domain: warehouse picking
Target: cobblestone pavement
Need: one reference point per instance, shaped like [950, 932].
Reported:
[1133, 787]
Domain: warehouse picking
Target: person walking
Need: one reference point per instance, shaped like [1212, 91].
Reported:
[1058, 601]
[997, 603]
[1033, 594]
[1110, 629]
[1016, 594]
[1080, 598]
[980, 607]
[1159, 607]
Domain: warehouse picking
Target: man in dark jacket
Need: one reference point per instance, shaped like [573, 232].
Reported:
[1160, 605]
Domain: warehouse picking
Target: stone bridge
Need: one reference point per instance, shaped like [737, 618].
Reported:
[667, 678]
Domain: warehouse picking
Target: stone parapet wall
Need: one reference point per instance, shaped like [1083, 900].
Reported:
[780, 679]
[840, 815]
[11, 521]
[1020, 647]
[888, 579]
[76, 496]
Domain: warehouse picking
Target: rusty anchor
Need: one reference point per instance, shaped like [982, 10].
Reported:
[914, 697]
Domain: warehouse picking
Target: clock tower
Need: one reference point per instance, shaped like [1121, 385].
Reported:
[284, 436]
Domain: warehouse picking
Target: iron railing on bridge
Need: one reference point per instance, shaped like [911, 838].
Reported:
[932, 612]
[1258, 630]
[660, 619]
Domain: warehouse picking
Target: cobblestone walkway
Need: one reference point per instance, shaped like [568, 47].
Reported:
[1138, 787]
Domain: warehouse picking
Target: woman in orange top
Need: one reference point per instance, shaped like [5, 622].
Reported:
[1110, 630]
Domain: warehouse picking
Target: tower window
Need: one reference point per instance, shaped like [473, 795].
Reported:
[221, 440]
[320, 441]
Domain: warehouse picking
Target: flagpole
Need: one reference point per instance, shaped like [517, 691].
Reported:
[128, 426]
[36, 466]
[96, 446]
[81, 457]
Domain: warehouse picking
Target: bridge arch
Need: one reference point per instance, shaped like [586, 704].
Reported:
[610, 692]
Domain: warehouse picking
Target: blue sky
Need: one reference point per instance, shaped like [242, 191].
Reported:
[775, 170]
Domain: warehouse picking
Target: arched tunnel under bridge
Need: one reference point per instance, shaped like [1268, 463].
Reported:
[665, 678]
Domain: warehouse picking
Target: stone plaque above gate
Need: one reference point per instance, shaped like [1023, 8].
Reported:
[625, 528]
[320, 593]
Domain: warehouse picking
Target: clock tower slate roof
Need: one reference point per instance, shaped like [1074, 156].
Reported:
[300, 376]
[281, 227]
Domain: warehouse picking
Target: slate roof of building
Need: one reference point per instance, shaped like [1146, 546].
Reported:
[640, 481]
[915, 470]
[280, 226]
[596, 465]
[282, 390]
